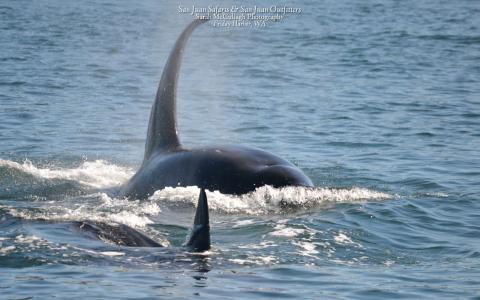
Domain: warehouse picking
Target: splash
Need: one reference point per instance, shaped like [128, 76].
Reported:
[267, 200]
[6, 250]
[136, 213]
[284, 231]
[95, 174]
[264, 200]
[256, 260]
[96, 207]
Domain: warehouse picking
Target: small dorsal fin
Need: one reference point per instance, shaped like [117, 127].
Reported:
[200, 236]
[162, 128]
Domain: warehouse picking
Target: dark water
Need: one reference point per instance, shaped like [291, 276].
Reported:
[377, 101]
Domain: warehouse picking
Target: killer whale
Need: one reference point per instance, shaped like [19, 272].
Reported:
[123, 235]
[228, 169]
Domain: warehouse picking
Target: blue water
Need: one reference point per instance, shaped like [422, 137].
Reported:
[377, 101]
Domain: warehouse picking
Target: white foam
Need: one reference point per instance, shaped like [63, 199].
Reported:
[343, 239]
[243, 223]
[112, 253]
[264, 200]
[439, 195]
[7, 250]
[284, 231]
[96, 174]
[306, 248]
[262, 245]
[26, 239]
[267, 199]
[96, 207]
[256, 260]
[137, 214]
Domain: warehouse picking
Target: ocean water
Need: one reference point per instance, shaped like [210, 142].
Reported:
[377, 101]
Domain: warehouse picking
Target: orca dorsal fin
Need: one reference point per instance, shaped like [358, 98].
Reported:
[162, 128]
[200, 235]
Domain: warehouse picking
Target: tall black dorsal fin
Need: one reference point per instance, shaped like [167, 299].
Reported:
[162, 128]
[200, 236]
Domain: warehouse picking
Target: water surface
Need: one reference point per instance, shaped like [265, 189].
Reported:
[378, 102]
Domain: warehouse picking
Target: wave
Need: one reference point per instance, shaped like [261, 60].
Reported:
[136, 213]
[99, 206]
[267, 199]
[95, 207]
[94, 174]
